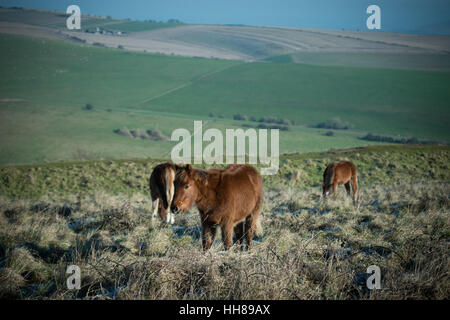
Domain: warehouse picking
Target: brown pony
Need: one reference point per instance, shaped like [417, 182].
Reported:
[162, 189]
[340, 173]
[224, 198]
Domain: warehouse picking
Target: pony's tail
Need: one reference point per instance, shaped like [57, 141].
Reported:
[170, 188]
[259, 231]
[167, 188]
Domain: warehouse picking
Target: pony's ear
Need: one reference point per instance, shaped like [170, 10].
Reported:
[189, 169]
[178, 167]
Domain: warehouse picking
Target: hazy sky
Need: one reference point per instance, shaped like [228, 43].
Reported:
[422, 16]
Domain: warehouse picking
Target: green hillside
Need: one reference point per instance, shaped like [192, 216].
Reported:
[381, 100]
[376, 165]
[45, 86]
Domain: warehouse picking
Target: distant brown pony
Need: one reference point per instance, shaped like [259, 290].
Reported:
[227, 198]
[162, 190]
[340, 173]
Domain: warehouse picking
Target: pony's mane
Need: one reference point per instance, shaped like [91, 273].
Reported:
[329, 172]
[181, 174]
[198, 174]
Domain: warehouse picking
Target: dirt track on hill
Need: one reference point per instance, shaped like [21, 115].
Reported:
[275, 40]
[244, 42]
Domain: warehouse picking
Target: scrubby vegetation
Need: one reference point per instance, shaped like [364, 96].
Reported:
[334, 123]
[276, 120]
[402, 140]
[96, 215]
[282, 122]
[268, 126]
[88, 106]
[154, 134]
[241, 117]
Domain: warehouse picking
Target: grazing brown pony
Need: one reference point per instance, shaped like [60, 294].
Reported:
[224, 198]
[340, 173]
[162, 190]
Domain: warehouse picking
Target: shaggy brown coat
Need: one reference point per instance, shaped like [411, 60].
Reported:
[226, 198]
[340, 172]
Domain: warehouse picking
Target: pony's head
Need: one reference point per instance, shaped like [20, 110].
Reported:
[186, 189]
[325, 189]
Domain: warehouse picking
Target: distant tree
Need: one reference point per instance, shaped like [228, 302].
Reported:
[334, 123]
[284, 121]
[241, 117]
[401, 140]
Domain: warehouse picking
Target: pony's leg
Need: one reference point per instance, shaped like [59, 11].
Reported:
[227, 235]
[347, 187]
[335, 185]
[162, 212]
[213, 232]
[155, 206]
[355, 188]
[250, 224]
[168, 216]
[208, 235]
[239, 231]
[169, 194]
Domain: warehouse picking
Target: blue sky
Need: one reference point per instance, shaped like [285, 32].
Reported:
[421, 16]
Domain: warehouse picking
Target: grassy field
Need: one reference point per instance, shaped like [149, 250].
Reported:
[97, 215]
[437, 62]
[53, 81]
[34, 133]
[381, 100]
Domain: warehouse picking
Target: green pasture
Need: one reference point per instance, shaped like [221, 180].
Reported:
[50, 82]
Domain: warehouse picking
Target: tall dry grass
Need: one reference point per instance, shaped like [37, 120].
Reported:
[309, 249]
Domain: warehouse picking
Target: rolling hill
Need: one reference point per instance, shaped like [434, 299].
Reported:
[51, 74]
